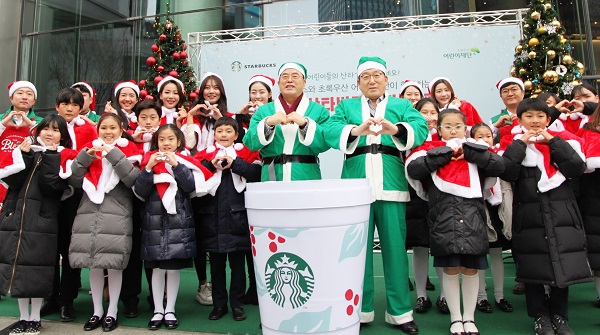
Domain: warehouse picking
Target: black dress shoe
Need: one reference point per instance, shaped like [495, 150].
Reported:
[109, 324]
[49, 307]
[442, 305]
[429, 285]
[504, 305]
[519, 288]
[131, 311]
[423, 305]
[409, 328]
[217, 313]
[67, 313]
[171, 324]
[155, 324]
[484, 306]
[238, 313]
[93, 323]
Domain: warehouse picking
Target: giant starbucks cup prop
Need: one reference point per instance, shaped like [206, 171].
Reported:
[309, 243]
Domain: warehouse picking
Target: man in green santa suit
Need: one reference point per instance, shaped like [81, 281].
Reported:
[289, 131]
[371, 131]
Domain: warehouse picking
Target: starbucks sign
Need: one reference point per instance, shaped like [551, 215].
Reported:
[290, 280]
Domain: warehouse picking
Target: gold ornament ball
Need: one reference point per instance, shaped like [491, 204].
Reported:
[551, 54]
[528, 85]
[550, 77]
[575, 83]
[547, 6]
[522, 71]
[519, 48]
[542, 30]
[563, 41]
[580, 67]
[531, 55]
[536, 15]
[555, 23]
[567, 60]
[533, 42]
[533, 96]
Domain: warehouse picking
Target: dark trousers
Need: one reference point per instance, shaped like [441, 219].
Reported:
[66, 279]
[251, 276]
[237, 285]
[538, 303]
[132, 275]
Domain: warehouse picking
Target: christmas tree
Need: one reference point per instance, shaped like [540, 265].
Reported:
[543, 57]
[169, 58]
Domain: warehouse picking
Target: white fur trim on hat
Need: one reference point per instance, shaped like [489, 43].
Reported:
[170, 78]
[21, 84]
[262, 79]
[208, 74]
[370, 65]
[505, 81]
[127, 84]
[435, 80]
[411, 83]
[87, 86]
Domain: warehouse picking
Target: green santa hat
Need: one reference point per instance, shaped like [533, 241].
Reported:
[366, 62]
[292, 65]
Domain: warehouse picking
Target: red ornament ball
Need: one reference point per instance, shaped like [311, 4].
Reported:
[162, 37]
[197, 91]
[184, 46]
[160, 68]
[193, 96]
[154, 48]
[176, 55]
[183, 55]
[157, 80]
[174, 73]
[150, 61]
[149, 97]
[143, 94]
[142, 83]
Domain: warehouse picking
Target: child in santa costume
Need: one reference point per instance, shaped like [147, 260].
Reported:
[16, 122]
[126, 95]
[106, 170]
[451, 175]
[171, 96]
[29, 223]
[168, 179]
[441, 90]
[209, 107]
[548, 241]
[417, 228]
[89, 101]
[221, 216]
[499, 218]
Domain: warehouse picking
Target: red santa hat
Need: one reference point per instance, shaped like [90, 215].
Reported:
[168, 79]
[129, 84]
[262, 79]
[591, 149]
[510, 80]
[15, 85]
[165, 182]
[91, 90]
[434, 81]
[408, 83]
[101, 177]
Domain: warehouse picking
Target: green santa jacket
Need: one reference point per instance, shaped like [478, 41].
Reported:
[385, 172]
[30, 115]
[289, 140]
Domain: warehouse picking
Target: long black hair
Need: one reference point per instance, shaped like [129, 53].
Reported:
[55, 121]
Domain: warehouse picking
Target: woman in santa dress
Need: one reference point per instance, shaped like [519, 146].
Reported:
[441, 90]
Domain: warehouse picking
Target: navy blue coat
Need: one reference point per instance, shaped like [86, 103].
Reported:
[167, 236]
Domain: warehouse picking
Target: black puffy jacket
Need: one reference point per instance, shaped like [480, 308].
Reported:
[589, 205]
[222, 218]
[29, 227]
[167, 236]
[548, 240]
[457, 225]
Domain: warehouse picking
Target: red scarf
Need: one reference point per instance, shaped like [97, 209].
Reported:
[290, 108]
[165, 182]
[101, 178]
[591, 148]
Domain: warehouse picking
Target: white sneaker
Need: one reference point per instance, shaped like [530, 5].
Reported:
[204, 296]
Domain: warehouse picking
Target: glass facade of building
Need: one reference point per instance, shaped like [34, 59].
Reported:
[106, 41]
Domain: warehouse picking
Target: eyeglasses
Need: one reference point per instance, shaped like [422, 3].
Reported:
[447, 127]
[286, 76]
[367, 77]
[513, 90]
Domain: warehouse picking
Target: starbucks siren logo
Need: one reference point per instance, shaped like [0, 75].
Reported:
[289, 279]
[236, 66]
